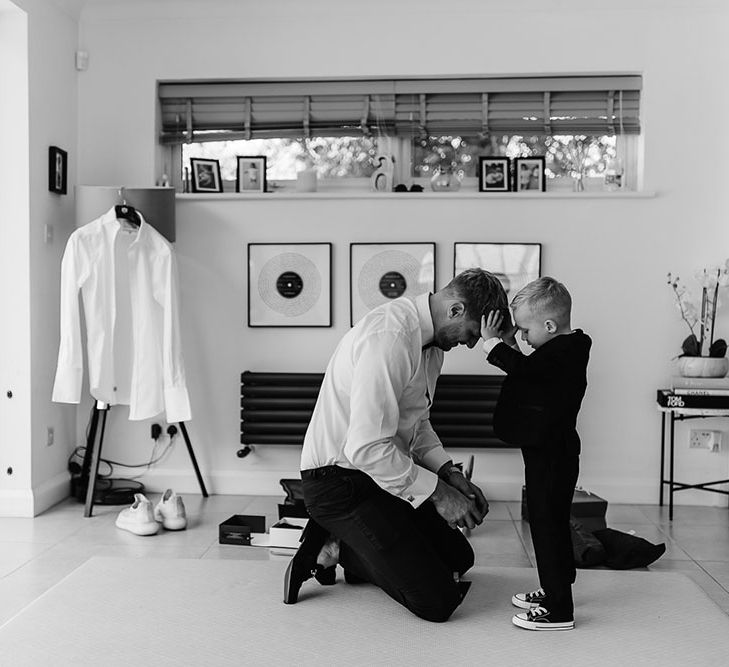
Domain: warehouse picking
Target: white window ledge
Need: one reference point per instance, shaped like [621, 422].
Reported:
[359, 194]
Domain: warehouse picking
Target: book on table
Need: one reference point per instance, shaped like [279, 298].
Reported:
[680, 382]
[671, 399]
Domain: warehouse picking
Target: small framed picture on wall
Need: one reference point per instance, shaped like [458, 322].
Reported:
[57, 168]
[494, 174]
[251, 173]
[529, 174]
[514, 264]
[205, 175]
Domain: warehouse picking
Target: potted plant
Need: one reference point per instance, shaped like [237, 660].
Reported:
[701, 355]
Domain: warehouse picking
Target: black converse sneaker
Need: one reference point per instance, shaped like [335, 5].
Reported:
[541, 619]
[529, 600]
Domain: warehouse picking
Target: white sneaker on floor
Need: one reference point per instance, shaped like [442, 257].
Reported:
[170, 511]
[139, 518]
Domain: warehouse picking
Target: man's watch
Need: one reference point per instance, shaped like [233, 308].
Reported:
[453, 468]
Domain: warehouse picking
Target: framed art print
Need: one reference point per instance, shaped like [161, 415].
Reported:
[289, 285]
[57, 168]
[251, 174]
[380, 272]
[205, 175]
[494, 174]
[529, 174]
[514, 264]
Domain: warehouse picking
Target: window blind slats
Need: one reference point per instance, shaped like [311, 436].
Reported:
[566, 105]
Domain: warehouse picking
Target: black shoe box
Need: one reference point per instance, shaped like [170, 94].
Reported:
[238, 528]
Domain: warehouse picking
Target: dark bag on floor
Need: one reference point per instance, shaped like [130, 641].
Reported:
[587, 549]
[625, 551]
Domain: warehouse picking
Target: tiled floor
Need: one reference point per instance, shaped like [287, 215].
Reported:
[37, 553]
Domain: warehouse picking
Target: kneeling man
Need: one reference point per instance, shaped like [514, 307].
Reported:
[376, 478]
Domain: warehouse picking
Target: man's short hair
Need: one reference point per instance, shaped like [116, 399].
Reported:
[546, 297]
[480, 291]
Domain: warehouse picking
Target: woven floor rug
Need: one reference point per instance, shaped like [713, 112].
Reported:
[119, 611]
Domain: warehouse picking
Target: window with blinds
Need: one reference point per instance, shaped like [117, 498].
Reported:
[199, 111]
[426, 124]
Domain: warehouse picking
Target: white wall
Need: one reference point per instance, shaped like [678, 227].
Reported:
[15, 408]
[37, 45]
[612, 254]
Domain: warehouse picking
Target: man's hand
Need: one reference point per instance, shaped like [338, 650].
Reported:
[458, 510]
[470, 490]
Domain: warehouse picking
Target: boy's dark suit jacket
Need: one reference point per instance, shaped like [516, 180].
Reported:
[542, 392]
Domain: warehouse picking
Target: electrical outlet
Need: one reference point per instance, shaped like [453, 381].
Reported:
[50, 436]
[702, 439]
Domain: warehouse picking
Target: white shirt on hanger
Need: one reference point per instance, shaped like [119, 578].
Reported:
[373, 409]
[128, 282]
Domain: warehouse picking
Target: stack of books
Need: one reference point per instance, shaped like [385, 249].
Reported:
[696, 393]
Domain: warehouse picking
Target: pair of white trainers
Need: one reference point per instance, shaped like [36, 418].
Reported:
[142, 519]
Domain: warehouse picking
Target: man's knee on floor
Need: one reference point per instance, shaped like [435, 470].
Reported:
[438, 608]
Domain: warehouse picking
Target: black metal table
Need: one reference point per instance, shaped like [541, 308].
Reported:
[669, 416]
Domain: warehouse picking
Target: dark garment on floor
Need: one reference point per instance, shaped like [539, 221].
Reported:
[537, 411]
[411, 553]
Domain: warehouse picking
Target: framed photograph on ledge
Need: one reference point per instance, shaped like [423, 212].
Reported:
[514, 264]
[529, 174]
[380, 272]
[57, 170]
[251, 173]
[494, 174]
[289, 285]
[205, 175]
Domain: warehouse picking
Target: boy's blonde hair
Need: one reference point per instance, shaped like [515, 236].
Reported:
[546, 297]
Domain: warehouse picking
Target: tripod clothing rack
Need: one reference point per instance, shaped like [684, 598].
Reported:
[92, 457]
[126, 273]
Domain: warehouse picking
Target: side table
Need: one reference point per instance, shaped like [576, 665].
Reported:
[673, 408]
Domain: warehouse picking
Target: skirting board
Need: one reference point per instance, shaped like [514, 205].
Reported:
[506, 488]
[27, 503]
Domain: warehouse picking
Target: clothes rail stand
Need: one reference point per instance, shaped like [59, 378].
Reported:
[90, 468]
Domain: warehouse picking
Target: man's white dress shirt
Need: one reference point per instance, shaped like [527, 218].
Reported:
[373, 409]
[128, 282]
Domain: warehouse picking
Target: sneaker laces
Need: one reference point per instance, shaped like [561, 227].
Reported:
[538, 594]
[537, 613]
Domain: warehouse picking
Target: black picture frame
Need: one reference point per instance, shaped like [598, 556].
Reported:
[529, 174]
[205, 175]
[514, 264]
[494, 174]
[379, 272]
[57, 170]
[250, 174]
[289, 285]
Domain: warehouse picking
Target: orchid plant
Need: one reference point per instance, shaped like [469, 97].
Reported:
[711, 281]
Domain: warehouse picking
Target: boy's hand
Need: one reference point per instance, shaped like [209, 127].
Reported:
[491, 325]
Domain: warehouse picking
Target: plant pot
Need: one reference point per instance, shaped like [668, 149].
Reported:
[703, 367]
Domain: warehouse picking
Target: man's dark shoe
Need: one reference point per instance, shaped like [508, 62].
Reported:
[326, 576]
[463, 587]
[352, 578]
[303, 565]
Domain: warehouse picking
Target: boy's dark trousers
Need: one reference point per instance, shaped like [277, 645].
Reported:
[550, 484]
[410, 553]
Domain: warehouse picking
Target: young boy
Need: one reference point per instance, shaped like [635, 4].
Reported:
[537, 411]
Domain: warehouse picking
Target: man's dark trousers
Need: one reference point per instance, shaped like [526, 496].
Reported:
[410, 553]
[550, 484]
